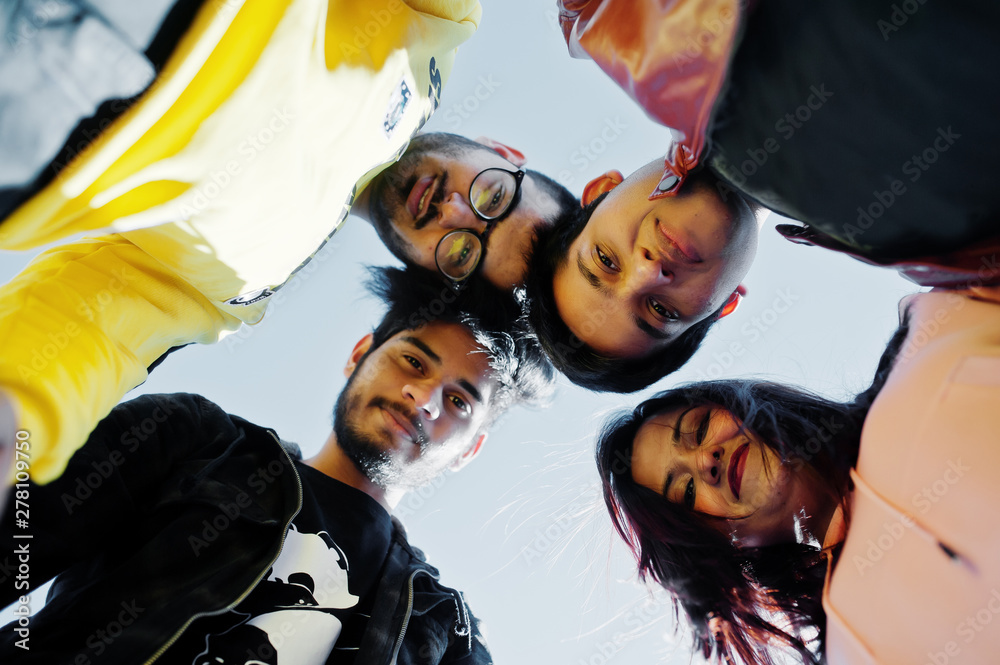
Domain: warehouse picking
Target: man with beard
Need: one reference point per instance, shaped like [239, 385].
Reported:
[449, 199]
[113, 306]
[207, 539]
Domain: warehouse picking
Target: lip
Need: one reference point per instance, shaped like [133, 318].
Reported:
[737, 465]
[413, 200]
[398, 423]
[679, 248]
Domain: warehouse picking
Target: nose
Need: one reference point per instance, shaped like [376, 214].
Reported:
[709, 464]
[649, 271]
[456, 213]
[425, 398]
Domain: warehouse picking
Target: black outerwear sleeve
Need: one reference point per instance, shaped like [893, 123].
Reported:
[173, 509]
[106, 486]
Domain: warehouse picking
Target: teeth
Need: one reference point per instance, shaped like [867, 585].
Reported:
[420, 206]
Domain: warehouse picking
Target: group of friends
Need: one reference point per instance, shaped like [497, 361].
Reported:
[209, 151]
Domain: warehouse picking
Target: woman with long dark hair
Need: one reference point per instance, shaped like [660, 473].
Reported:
[774, 521]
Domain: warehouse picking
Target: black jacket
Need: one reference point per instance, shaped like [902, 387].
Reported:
[175, 510]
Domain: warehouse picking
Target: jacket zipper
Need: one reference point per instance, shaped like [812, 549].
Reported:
[246, 592]
[406, 617]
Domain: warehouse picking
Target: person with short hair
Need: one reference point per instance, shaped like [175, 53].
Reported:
[207, 538]
[465, 208]
[858, 532]
[871, 124]
[212, 188]
[625, 292]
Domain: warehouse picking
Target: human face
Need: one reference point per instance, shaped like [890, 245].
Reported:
[642, 272]
[699, 458]
[426, 195]
[415, 405]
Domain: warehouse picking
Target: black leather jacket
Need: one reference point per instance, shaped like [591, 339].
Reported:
[175, 510]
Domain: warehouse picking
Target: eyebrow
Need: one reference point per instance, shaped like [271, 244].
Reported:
[602, 288]
[419, 343]
[676, 438]
[471, 389]
[464, 383]
[591, 278]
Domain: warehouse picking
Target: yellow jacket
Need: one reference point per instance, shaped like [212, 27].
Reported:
[233, 169]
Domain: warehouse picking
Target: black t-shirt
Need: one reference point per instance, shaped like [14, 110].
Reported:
[313, 605]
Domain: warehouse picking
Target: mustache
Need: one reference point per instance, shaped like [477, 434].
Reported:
[436, 198]
[410, 416]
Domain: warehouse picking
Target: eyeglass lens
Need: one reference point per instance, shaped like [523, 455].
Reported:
[458, 254]
[492, 192]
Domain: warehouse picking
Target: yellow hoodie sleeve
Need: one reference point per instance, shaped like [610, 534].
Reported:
[78, 328]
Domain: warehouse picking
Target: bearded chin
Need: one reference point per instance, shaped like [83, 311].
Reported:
[363, 450]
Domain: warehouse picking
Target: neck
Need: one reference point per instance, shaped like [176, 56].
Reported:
[333, 462]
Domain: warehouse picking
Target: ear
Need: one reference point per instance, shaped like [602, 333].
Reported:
[512, 155]
[360, 349]
[734, 301]
[469, 454]
[602, 183]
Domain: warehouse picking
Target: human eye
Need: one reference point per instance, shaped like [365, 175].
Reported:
[689, 494]
[414, 362]
[461, 257]
[489, 200]
[605, 260]
[460, 404]
[661, 312]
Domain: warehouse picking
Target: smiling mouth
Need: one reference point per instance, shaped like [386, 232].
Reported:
[677, 249]
[420, 196]
[737, 465]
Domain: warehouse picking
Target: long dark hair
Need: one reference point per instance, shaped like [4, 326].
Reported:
[740, 602]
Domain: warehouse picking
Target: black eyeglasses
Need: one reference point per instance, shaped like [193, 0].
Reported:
[493, 195]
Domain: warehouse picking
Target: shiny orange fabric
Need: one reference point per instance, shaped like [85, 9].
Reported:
[671, 56]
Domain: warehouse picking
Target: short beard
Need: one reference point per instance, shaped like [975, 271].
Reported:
[366, 453]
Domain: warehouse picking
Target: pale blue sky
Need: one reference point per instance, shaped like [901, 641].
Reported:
[521, 530]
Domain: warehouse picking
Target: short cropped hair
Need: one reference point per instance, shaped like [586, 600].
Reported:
[454, 146]
[579, 362]
[416, 296]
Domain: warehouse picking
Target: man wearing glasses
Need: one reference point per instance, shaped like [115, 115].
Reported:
[450, 199]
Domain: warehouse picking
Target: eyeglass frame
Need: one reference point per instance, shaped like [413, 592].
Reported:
[459, 283]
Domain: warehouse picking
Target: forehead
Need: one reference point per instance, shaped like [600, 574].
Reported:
[452, 352]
